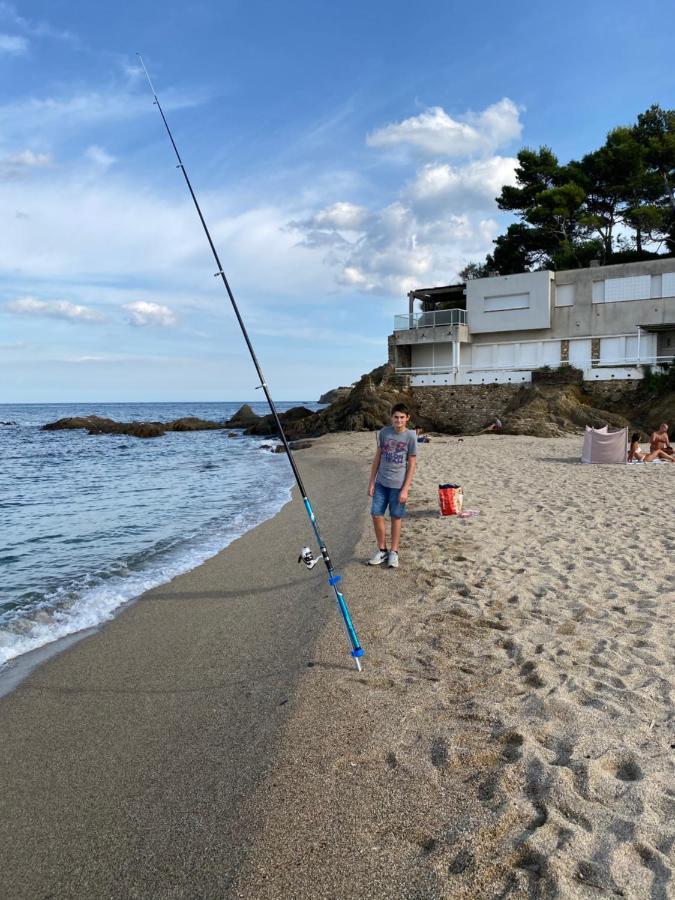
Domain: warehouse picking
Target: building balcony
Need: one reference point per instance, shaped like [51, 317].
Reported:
[439, 317]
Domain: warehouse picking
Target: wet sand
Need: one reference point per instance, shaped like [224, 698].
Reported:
[130, 761]
[511, 734]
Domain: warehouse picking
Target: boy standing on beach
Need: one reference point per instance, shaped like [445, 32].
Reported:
[390, 478]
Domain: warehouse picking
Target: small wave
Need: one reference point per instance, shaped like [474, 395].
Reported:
[71, 610]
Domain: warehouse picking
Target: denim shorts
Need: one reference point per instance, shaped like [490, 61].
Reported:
[387, 497]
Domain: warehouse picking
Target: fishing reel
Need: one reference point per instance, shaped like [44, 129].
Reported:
[307, 557]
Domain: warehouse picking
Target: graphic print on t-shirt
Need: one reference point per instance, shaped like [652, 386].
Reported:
[394, 451]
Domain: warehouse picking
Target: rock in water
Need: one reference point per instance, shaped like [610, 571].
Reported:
[98, 425]
[294, 445]
[243, 418]
[266, 426]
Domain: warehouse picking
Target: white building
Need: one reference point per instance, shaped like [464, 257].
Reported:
[608, 321]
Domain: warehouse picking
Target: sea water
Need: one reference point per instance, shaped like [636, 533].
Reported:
[87, 523]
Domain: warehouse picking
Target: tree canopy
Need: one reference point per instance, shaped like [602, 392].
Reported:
[615, 204]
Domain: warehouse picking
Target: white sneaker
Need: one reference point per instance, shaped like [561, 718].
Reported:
[393, 559]
[378, 558]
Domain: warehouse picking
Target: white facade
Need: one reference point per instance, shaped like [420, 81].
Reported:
[607, 321]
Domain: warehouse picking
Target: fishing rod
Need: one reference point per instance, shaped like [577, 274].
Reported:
[305, 554]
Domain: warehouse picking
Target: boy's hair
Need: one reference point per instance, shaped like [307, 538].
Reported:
[400, 407]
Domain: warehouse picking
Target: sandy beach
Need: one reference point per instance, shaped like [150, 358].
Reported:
[511, 735]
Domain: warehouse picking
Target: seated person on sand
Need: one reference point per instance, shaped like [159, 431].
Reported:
[495, 425]
[636, 455]
[422, 436]
[660, 440]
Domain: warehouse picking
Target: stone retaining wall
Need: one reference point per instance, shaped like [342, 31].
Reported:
[465, 408]
[457, 409]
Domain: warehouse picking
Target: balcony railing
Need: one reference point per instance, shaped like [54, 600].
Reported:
[616, 362]
[430, 319]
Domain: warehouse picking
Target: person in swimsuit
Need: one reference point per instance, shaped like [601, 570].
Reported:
[660, 440]
[636, 455]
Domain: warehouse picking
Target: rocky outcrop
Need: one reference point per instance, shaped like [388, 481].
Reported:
[553, 410]
[367, 407]
[98, 425]
[265, 426]
[294, 445]
[338, 393]
[243, 418]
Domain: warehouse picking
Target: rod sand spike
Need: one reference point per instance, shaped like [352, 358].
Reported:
[333, 578]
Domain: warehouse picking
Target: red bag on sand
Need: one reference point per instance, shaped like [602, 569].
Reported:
[450, 499]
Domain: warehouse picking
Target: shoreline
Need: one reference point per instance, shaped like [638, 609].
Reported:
[129, 759]
[510, 735]
[14, 670]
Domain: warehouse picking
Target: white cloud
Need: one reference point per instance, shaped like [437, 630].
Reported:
[436, 133]
[143, 312]
[8, 13]
[46, 118]
[99, 156]
[13, 44]
[20, 164]
[439, 186]
[347, 216]
[29, 159]
[54, 309]
[440, 219]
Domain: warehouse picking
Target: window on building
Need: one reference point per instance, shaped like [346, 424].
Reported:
[598, 292]
[657, 286]
[564, 295]
[580, 352]
[481, 356]
[668, 284]
[612, 351]
[633, 287]
[502, 302]
[550, 353]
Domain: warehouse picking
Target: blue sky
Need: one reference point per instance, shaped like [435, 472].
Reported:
[343, 153]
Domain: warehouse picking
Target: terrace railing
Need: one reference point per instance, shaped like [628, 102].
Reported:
[406, 322]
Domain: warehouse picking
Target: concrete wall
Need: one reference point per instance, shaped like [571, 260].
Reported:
[597, 319]
[584, 318]
[530, 288]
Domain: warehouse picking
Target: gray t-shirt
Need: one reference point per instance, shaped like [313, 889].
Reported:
[396, 448]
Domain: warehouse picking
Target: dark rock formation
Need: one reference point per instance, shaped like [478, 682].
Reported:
[367, 407]
[98, 425]
[265, 426]
[553, 410]
[338, 393]
[243, 418]
[294, 445]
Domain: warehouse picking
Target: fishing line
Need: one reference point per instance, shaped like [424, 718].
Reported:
[305, 554]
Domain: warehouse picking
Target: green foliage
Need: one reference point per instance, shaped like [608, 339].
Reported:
[615, 202]
[475, 270]
[658, 383]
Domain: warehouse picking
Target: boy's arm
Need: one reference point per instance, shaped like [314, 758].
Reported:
[407, 481]
[373, 471]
